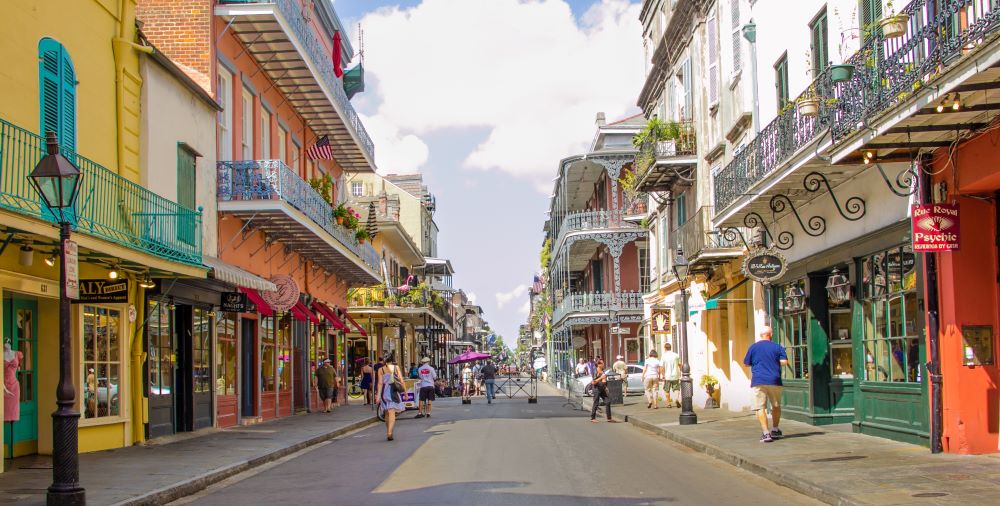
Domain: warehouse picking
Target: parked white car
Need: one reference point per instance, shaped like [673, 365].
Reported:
[633, 378]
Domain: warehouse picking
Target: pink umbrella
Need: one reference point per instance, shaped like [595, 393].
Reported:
[469, 356]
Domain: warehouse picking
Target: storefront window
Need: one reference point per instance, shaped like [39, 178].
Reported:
[101, 361]
[285, 353]
[891, 340]
[841, 349]
[791, 331]
[161, 350]
[267, 353]
[225, 359]
[201, 344]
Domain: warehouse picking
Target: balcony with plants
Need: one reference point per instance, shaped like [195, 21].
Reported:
[666, 149]
[420, 297]
[108, 207]
[301, 214]
[930, 52]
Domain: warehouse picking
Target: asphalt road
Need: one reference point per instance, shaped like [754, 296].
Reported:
[507, 453]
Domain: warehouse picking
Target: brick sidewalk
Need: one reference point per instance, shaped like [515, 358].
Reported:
[156, 474]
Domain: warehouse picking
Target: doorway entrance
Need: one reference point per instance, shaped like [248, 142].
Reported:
[248, 368]
[180, 371]
[20, 332]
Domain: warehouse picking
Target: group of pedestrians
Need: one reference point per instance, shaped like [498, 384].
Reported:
[476, 378]
[666, 371]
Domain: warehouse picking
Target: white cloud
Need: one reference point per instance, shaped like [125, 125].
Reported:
[528, 71]
[395, 152]
[504, 297]
[526, 308]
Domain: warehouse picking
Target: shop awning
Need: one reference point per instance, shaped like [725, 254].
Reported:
[302, 313]
[361, 330]
[262, 307]
[229, 273]
[330, 316]
[713, 301]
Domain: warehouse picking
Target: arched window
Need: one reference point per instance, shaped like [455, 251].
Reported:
[57, 87]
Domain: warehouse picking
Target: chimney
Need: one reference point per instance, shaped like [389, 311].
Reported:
[600, 120]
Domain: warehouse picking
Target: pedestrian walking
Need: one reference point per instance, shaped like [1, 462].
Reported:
[425, 386]
[600, 390]
[466, 380]
[489, 372]
[581, 368]
[651, 374]
[367, 380]
[671, 363]
[390, 393]
[477, 378]
[621, 370]
[765, 359]
[326, 383]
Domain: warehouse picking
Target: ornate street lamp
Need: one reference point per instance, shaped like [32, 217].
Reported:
[838, 288]
[687, 416]
[796, 299]
[57, 181]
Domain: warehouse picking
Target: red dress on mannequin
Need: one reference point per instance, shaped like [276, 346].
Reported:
[12, 389]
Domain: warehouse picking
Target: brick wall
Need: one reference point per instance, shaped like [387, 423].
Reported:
[182, 30]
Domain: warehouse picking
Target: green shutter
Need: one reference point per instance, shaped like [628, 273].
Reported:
[781, 81]
[681, 209]
[57, 90]
[820, 43]
[186, 193]
[871, 12]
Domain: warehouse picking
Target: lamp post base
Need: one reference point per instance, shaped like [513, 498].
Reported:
[687, 416]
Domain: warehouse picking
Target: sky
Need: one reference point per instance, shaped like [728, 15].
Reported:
[484, 97]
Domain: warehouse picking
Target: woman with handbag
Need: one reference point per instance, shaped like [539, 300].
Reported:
[390, 391]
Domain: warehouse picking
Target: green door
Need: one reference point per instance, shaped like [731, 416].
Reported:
[20, 329]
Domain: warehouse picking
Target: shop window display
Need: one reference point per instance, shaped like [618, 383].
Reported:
[101, 362]
[285, 353]
[225, 359]
[267, 354]
[791, 328]
[891, 333]
[201, 344]
[841, 350]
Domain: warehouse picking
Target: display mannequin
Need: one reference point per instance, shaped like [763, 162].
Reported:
[11, 387]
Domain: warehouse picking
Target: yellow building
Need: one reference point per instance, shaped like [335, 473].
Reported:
[73, 68]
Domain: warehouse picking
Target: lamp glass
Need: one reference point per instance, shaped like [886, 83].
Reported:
[680, 265]
[796, 299]
[838, 288]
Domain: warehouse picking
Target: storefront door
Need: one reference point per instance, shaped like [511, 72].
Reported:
[633, 353]
[160, 362]
[21, 332]
[248, 368]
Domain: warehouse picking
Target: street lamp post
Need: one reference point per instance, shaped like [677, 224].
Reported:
[687, 416]
[57, 181]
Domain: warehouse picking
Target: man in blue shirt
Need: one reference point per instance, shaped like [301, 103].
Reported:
[766, 359]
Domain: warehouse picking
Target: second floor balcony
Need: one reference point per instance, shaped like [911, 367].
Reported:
[665, 157]
[286, 208]
[703, 246]
[394, 302]
[609, 221]
[596, 304]
[108, 207]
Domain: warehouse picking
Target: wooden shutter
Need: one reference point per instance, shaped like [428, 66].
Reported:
[871, 12]
[186, 194]
[688, 97]
[737, 36]
[57, 90]
[820, 44]
[713, 60]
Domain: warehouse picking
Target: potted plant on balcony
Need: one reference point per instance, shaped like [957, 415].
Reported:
[340, 213]
[711, 386]
[848, 44]
[361, 235]
[893, 25]
[324, 186]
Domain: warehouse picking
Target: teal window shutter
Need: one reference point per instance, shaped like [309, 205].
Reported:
[57, 87]
[186, 194]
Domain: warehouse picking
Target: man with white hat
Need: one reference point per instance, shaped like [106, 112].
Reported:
[425, 385]
[621, 370]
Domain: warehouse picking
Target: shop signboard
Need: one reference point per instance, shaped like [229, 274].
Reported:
[764, 265]
[103, 291]
[935, 227]
[234, 302]
[284, 296]
[660, 319]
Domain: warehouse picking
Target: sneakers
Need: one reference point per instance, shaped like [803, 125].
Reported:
[419, 415]
[766, 438]
[776, 433]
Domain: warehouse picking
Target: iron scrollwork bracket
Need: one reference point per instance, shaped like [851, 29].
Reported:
[905, 181]
[854, 208]
[731, 233]
[784, 241]
[815, 226]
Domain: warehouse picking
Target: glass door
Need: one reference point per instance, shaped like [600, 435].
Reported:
[21, 376]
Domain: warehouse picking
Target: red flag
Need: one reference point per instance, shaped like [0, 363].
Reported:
[337, 66]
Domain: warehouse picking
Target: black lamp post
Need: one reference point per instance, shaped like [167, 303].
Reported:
[57, 181]
[687, 416]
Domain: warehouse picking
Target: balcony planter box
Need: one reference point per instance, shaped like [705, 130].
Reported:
[808, 107]
[894, 27]
[841, 73]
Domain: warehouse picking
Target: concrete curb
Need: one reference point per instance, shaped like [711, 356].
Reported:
[817, 491]
[190, 486]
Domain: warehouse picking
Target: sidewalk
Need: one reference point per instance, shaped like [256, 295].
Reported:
[837, 467]
[157, 474]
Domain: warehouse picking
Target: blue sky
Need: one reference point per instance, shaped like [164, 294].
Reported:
[484, 97]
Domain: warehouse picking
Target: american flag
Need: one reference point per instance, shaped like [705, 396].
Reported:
[536, 285]
[321, 150]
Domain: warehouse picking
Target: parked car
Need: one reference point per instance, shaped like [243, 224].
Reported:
[633, 377]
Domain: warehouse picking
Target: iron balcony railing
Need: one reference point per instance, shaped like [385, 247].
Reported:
[696, 236]
[886, 72]
[291, 10]
[593, 220]
[273, 180]
[685, 144]
[596, 302]
[108, 206]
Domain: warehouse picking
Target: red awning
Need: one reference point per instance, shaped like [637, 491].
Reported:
[328, 313]
[360, 329]
[302, 313]
[262, 307]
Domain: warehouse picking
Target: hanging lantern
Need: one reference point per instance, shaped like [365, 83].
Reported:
[796, 299]
[838, 287]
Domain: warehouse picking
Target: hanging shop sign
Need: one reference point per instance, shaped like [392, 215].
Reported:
[102, 291]
[285, 296]
[234, 302]
[660, 319]
[764, 265]
[935, 227]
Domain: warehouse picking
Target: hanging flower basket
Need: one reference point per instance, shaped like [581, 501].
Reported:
[808, 107]
[841, 73]
[894, 27]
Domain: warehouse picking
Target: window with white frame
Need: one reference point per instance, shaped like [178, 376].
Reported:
[357, 189]
[265, 134]
[224, 83]
[282, 139]
[295, 163]
[102, 362]
[247, 142]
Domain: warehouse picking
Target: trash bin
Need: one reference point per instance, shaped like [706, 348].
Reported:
[615, 390]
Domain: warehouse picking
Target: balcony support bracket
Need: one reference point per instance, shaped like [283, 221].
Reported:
[784, 241]
[854, 208]
[815, 226]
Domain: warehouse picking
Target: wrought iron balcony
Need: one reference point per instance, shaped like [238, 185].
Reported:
[887, 71]
[596, 302]
[702, 245]
[108, 207]
[288, 209]
[594, 220]
[657, 163]
[289, 33]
